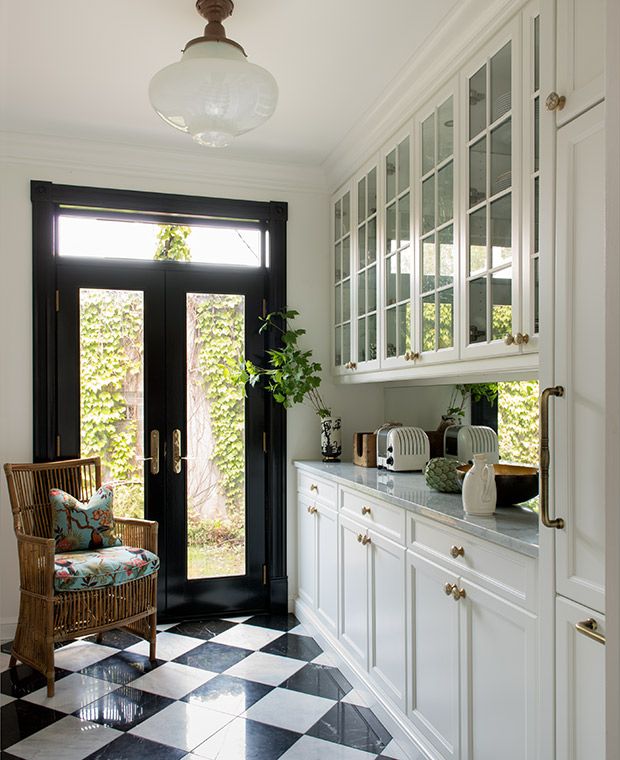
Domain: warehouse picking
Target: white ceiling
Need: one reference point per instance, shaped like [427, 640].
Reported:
[81, 69]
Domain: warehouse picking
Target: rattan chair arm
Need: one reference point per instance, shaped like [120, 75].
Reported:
[36, 564]
[138, 533]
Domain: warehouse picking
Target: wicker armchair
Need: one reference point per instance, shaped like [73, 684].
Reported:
[47, 616]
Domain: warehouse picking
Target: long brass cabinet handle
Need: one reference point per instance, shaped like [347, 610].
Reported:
[589, 628]
[154, 458]
[176, 452]
[545, 457]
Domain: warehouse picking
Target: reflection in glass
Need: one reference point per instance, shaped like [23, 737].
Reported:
[338, 304]
[390, 332]
[372, 336]
[536, 53]
[346, 343]
[478, 172]
[361, 199]
[337, 219]
[403, 165]
[536, 134]
[372, 287]
[501, 148]
[361, 245]
[404, 278]
[372, 192]
[338, 346]
[501, 231]
[390, 229]
[390, 176]
[445, 130]
[477, 102]
[446, 256]
[501, 295]
[478, 241]
[428, 204]
[501, 85]
[338, 262]
[361, 340]
[346, 213]
[361, 293]
[390, 278]
[445, 190]
[428, 144]
[346, 256]
[478, 310]
[346, 300]
[428, 264]
[403, 221]
[428, 323]
[404, 343]
[446, 318]
[372, 240]
[536, 215]
[215, 464]
[536, 296]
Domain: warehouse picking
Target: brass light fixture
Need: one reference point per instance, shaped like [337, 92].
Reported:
[213, 92]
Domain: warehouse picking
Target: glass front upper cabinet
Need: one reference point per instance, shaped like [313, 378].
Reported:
[398, 256]
[436, 231]
[366, 271]
[491, 294]
[342, 281]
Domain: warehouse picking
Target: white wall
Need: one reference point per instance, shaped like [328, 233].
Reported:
[188, 172]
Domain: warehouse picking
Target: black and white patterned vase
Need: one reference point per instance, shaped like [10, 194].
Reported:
[331, 442]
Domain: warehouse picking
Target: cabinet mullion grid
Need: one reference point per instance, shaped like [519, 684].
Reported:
[534, 247]
[367, 205]
[342, 280]
[496, 196]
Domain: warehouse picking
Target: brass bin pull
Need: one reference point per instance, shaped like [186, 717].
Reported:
[176, 452]
[312, 510]
[154, 458]
[545, 457]
[314, 487]
[589, 628]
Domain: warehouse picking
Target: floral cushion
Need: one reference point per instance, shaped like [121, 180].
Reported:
[78, 526]
[77, 571]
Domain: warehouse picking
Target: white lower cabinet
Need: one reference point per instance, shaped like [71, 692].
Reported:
[580, 683]
[306, 547]
[353, 579]
[327, 567]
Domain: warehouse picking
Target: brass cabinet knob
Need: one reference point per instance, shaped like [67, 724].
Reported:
[415, 356]
[458, 593]
[359, 538]
[509, 340]
[555, 102]
[312, 510]
[457, 551]
[350, 365]
[314, 487]
[366, 540]
[407, 356]
[522, 338]
[449, 588]
[366, 510]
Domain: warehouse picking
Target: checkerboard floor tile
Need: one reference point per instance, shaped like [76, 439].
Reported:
[241, 688]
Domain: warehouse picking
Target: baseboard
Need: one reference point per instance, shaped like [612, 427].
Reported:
[278, 595]
[7, 629]
[396, 723]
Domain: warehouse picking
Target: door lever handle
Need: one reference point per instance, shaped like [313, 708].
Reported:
[154, 458]
[177, 459]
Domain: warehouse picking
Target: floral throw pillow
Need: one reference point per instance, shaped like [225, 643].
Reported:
[78, 526]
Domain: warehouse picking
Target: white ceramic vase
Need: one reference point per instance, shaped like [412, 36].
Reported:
[479, 490]
[331, 444]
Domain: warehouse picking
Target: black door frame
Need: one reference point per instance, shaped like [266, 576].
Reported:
[47, 201]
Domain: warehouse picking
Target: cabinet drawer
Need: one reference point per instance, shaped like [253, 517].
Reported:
[505, 572]
[380, 516]
[316, 488]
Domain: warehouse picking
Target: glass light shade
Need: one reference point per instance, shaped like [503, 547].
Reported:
[214, 93]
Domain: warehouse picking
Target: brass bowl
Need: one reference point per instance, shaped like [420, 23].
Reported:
[515, 483]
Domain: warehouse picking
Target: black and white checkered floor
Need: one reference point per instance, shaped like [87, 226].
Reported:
[255, 688]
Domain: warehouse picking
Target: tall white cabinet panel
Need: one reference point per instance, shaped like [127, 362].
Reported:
[580, 695]
[342, 336]
[580, 360]
[306, 549]
[580, 55]
[498, 647]
[326, 567]
[386, 590]
[353, 576]
[433, 655]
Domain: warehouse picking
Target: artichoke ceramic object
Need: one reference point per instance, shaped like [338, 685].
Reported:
[440, 474]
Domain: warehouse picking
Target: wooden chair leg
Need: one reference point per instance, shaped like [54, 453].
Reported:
[50, 685]
[12, 661]
[153, 639]
[100, 637]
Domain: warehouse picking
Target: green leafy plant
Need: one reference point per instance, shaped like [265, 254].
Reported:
[172, 243]
[476, 391]
[291, 376]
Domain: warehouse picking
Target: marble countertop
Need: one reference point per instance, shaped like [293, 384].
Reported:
[515, 528]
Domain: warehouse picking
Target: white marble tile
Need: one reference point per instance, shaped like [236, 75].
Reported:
[166, 626]
[266, 668]
[172, 680]
[4, 661]
[247, 637]
[67, 739]
[182, 725]
[325, 659]
[310, 748]
[394, 752]
[299, 630]
[72, 692]
[355, 697]
[169, 646]
[5, 699]
[80, 654]
[238, 619]
[289, 709]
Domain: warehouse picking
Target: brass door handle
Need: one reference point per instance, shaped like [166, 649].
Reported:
[176, 452]
[589, 628]
[545, 457]
[366, 510]
[457, 551]
[555, 102]
[154, 458]
[312, 510]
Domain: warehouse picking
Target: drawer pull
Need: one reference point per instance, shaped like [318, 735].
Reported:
[589, 628]
[312, 510]
[366, 540]
[457, 551]
[366, 510]
[314, 487]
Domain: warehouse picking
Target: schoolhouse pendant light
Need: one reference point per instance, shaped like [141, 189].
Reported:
[213, 92]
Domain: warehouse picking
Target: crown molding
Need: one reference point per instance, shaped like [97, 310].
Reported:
[444, 52]
[146, 161]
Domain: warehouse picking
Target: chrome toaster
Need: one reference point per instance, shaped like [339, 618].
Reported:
[461, 442]
[402, 448]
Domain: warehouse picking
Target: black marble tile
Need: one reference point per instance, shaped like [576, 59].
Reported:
[214, 657]
[130, 747]
[22, 719]
[122, 668]
[352, 726]
[276, 622]
[22, 680]
[202, 629]
[228, 694]
[297, 647]
[124, 708]
[319, 680]
[248, 740]
[7, 756]
[116, 638]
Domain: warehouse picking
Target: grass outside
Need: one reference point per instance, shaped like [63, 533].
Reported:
[208, 561]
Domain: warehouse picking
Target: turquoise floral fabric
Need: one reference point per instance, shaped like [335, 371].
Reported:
[78, 526]
[77, 571]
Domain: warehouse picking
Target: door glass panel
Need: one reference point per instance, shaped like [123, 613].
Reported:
[372, 241]
[361, 199]
[428, 264]
[361, 241]
[404, 279]
[428, 204]
[346, 213]
[372, 192]
[537, 53]
[444, 194]
[361, 293]
[346, 300]
[361, 339]
[500, 83]
[215, 429]
[372, 288]
[428, 323]
[501, 231]
[372, 337]
[478, 172]
[390, 278]
[403, 221]
[390, 229]
[403, 328]
[112, 391]
[536, 134]
[536, 295]
[446, 318]
[390, 176]
[346, 343]
[501, 294]
[445, 129]
[390, 330]
[478, 310]
[403, 165]
[428, 144]
[337, 219]
[478, 241]
[338, 304]
[446, 257]
[501, 175]
[536, 215]
[346, 257]
[338, 262]
[478, 102]
[338, 346]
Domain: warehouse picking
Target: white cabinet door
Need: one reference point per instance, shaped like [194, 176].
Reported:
[498, 677]
[306, 549]
[327, 567]
[353, 576]
[580, 55]
[580, 668]
[578, 454]
[433, 655]
[387, 617]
